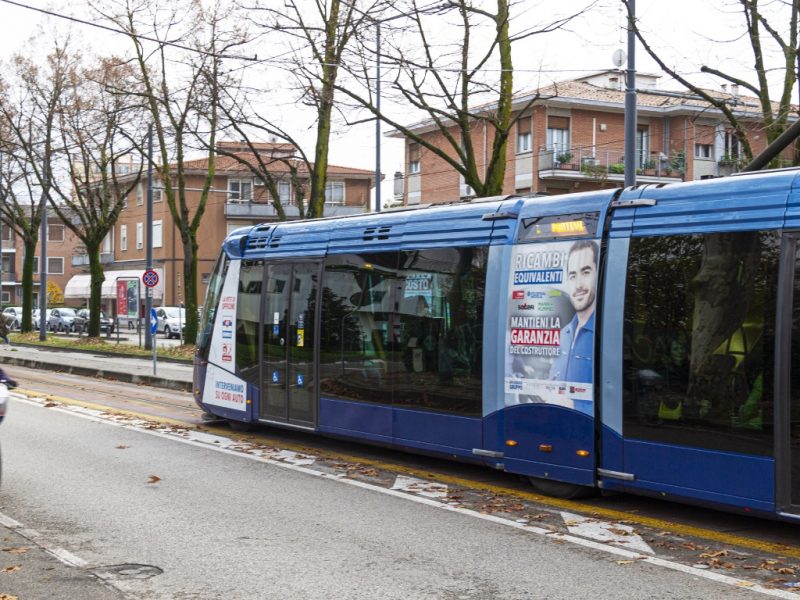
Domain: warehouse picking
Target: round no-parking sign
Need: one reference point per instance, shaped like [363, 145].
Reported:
[150, 278]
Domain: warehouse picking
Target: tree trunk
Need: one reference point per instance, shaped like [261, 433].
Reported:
[190, 288]
[97, 277]
[27, 284]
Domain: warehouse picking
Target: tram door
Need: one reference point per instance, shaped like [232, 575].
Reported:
[788, 422]
[288, 373]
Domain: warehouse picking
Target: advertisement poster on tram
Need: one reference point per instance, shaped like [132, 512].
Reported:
[551, 321]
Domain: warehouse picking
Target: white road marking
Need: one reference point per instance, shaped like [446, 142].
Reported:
[603, 531]
[429, 489]
[540, 531]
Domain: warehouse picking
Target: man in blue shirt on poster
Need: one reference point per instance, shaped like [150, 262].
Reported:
[574, 364]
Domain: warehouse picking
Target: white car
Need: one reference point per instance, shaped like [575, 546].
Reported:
[171, 320]
[36, 321]
[13, 316]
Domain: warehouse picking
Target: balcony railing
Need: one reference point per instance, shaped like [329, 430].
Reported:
[586, 163]
[82, 260]
[262, 210]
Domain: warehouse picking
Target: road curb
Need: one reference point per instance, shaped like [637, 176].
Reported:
[109, 353]
[151, 380]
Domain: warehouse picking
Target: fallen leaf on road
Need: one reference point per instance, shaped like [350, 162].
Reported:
[8, 597]
[12, 569]
[50, 404]
[714, 554]
[121, 447]
[153, 479]
[20, 550]
[625, 562]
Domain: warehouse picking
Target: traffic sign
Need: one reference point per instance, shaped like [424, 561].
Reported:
[153, 321]
[150, 278]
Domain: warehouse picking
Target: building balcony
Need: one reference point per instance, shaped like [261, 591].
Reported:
[261, 210]
[82, 260]
[584, 164]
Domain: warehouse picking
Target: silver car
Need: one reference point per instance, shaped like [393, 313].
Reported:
[61, 320]
[13, 316]
[171, 320]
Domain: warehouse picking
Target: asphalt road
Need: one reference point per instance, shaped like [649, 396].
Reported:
[186, 520]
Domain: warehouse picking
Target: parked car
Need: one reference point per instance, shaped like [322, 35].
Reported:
[81, 322]
[61, 320]
[13, 316]
[171, 320]
[36, 317]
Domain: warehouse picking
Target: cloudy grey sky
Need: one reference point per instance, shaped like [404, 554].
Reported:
[688, 32]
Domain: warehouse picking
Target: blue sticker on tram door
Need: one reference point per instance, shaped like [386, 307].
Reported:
[274, 377]
[300, 380]
[275, 329]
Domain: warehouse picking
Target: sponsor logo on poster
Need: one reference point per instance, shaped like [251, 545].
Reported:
[227, 352]
[227, 328]
[518, 294]
[228, 303]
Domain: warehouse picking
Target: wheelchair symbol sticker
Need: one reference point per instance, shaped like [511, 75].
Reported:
[300, 380]
[274, 377]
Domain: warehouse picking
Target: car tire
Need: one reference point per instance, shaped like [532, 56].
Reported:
[167, 333]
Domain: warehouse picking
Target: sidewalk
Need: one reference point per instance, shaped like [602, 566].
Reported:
[171, 375]
[28, 572]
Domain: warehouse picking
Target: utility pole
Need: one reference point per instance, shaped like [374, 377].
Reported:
[43, 261]
[377, 119]
[148, 291]
[630, 100]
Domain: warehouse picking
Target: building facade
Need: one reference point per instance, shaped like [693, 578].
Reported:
[237, 199]
[572, 139]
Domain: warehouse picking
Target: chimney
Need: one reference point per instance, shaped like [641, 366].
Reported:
[398, 184]
[735, 89]
[725, 88]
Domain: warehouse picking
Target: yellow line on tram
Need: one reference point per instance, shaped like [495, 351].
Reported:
[580, 507]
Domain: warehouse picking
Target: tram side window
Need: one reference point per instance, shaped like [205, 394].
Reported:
[698, 340]
[210, 304]
[248, 311]
[356, 336]
[440, 321]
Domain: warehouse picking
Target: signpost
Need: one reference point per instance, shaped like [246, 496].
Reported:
[150, 279]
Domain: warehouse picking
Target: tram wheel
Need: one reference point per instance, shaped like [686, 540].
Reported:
[241, 426]
[561, 489]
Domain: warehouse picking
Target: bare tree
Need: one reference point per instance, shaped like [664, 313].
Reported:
[180, 89]
[776, 31]
[96, 122]
[320, 34]
[454, 85]
[29, 107]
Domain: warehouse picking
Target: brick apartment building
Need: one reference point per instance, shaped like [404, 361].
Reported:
[62, 246]
[572, 139]
[237, 200]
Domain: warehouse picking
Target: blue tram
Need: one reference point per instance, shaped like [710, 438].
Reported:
[644, 340]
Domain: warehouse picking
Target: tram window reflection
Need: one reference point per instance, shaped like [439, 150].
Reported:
[699, 335]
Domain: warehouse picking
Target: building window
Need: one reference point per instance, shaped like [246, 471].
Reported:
[240, 190]
[643, 147]
[55, 265]
[205, 277]
[733, 147]
[558, 134]
[334, 192]
[158, 194]
[139, 236]
[5, 297]
[123, 237]
[413, 159]
[700, 358]
[55, 232]
[524, 135]
[284, 192]
[6, 232]
[108, 243]
[157, 239]
[139, 194]
[35, 265]
[702, 150]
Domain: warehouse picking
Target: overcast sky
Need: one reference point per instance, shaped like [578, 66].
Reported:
[688, 32]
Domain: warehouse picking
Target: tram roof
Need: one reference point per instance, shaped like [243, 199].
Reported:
[753, 200]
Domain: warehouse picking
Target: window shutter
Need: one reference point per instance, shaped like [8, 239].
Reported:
[558, 122]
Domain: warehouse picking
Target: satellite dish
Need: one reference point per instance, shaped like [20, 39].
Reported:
[619, 57]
